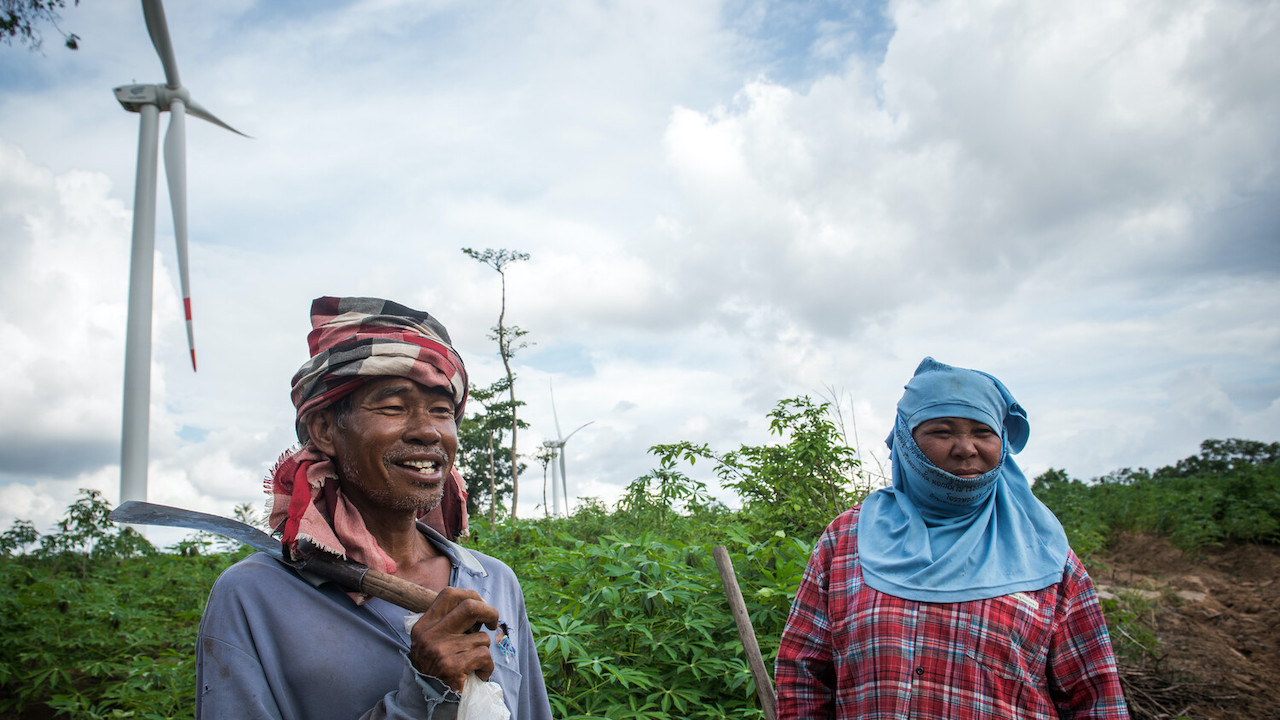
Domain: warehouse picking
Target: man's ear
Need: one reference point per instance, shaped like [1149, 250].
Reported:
[321, 429]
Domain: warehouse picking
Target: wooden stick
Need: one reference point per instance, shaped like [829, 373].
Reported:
[764, 685]
[354, 576]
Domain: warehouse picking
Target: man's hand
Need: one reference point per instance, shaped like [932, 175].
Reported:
[441, 645]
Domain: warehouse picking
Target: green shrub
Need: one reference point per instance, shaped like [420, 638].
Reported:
[97, 624]
[636, 624]
[1075, 505]
[1130, 619]
[1229, 492]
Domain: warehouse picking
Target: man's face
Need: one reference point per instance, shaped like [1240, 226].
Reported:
[395, 447]
[960, 446]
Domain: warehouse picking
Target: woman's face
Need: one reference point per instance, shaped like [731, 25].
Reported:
[963, 447]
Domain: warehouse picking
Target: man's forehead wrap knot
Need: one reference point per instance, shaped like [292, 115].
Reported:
[354, 340]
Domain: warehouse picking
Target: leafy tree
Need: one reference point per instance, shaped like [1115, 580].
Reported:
[798, 487]
[658, 498]
[21, 19]
[509, 342]
[19, 535]
[1225, 456]
[483, 460]
[86, 533]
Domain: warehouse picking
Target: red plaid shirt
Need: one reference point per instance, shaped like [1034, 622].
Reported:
[849, 651]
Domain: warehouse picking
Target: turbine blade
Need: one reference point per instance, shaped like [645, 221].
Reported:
[575, 432]
[195, 109]
[175, 170]
[559, 435]
[153, 13]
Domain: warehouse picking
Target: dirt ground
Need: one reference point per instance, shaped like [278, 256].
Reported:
[1217, 615]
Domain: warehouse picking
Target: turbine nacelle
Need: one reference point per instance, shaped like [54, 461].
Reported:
[133, 97]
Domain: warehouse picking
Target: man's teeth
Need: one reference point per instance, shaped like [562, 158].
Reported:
[423, 466]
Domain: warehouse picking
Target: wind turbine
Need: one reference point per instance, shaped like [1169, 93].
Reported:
[557, 465]
[149, 101]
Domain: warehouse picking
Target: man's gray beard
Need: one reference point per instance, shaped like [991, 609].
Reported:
[383, 495]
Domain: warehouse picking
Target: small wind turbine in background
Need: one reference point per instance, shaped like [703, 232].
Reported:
[149, 101]
[559, 488]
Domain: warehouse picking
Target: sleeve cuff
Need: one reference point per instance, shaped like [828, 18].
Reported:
[434, 691]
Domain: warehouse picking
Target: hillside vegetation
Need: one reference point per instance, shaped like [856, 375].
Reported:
[626, 602]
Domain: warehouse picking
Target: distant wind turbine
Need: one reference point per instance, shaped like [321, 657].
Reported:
[557, 468]
[149, 101]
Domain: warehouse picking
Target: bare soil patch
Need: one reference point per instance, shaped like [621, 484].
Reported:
[1217, 616]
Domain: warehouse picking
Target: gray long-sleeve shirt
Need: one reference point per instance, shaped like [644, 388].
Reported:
[275, 645]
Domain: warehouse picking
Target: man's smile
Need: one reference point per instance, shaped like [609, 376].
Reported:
[422, 466]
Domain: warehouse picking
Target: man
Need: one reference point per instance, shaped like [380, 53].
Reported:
[377, 411]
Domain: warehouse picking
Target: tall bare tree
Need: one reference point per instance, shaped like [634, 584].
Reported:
[509, 342]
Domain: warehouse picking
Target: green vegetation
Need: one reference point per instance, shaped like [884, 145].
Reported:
[626, 602]
[1130, 619]
[1230, 492]
[96, 622]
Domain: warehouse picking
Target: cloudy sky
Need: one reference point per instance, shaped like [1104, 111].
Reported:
[726, 204]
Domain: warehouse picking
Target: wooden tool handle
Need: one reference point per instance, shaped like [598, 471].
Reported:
[407, 595]
[358, 578]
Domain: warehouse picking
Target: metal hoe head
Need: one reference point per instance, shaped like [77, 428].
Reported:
[145, 513]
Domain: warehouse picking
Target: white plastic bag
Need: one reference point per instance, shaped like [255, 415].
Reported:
[481, 700]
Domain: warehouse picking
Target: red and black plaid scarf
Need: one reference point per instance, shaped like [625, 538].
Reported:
[307, 504]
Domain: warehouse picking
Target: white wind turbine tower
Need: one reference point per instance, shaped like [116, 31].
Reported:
[149, 101]
[559, 489]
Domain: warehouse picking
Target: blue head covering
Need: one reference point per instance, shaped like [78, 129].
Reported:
[938, 537]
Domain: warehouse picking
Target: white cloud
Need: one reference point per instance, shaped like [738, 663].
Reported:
[722, 210]
[62, 300]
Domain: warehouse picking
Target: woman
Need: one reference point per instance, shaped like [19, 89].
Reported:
[953, 593]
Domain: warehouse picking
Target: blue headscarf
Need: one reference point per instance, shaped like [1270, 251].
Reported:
[937, 537]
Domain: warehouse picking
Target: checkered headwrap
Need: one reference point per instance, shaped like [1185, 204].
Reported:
[355, 339]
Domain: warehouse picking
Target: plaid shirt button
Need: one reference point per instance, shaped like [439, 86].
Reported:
[920, 670]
